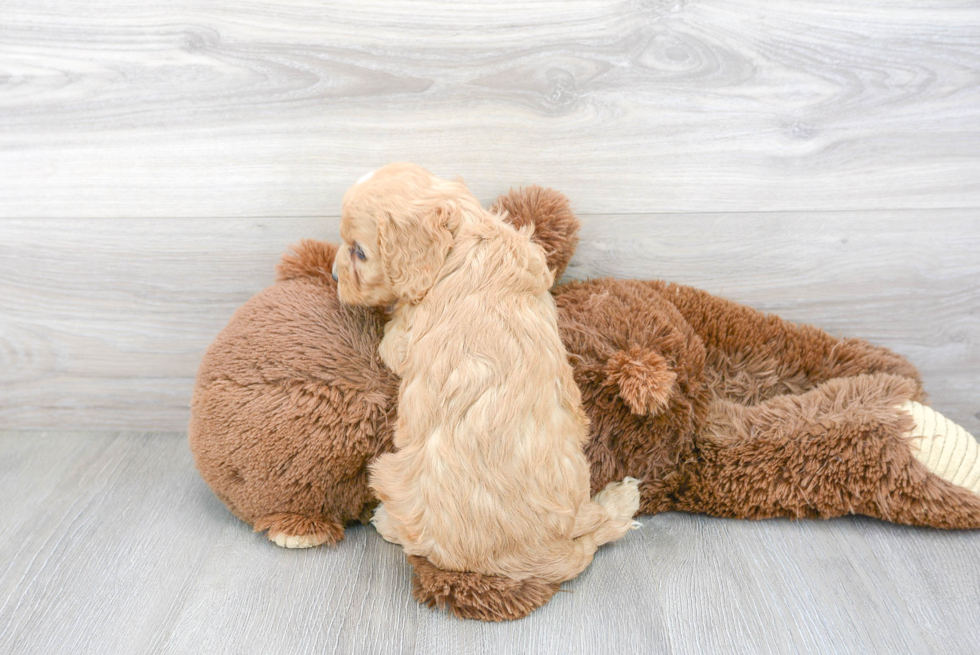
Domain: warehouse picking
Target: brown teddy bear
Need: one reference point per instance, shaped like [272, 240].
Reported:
[715, 407]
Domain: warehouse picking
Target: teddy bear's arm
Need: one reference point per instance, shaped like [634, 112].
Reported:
[752, 356]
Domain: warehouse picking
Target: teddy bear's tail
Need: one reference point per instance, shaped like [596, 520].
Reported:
[477, 596]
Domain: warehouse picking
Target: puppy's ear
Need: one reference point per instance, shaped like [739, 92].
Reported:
[413, 248]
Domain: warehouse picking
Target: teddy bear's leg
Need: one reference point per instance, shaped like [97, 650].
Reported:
[290, 530]
[752, 356]
[943, 447]
[847, 447]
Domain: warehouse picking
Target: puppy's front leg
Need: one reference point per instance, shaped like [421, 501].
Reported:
[382, 523]
[394, 344]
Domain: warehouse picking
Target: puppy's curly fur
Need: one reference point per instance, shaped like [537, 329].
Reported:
[489, 474]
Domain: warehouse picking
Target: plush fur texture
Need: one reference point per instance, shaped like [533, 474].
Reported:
[546, 213]
[292, 403]
[488, 475]
[718, 408]
[476, 596]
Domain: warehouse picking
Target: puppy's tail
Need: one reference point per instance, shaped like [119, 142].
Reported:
[477, 596]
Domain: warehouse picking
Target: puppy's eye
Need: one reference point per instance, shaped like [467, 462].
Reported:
[358, 251]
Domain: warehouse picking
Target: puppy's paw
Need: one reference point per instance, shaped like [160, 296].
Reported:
[384, 525]
[621, 499]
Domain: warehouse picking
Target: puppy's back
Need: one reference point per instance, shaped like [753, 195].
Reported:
[491, 409]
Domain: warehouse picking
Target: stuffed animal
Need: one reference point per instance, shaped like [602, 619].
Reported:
[715, 407]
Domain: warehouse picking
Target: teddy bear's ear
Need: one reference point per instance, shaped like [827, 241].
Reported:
[308, 258]
[414, 247]
[555, 225]
[644, 378]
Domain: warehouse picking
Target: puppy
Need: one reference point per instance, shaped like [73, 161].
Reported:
[489, 475]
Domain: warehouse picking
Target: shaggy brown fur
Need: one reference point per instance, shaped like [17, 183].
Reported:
[292, 402]
[830, 451]
[475, 596]
[718, 408]
[555, 226]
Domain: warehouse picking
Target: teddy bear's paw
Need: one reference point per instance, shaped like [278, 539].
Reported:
[297, 531]
[294, 540]
[944, 447]
[621, 499]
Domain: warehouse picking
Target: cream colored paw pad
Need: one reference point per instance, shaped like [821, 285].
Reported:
[945, 448]
[293, 540]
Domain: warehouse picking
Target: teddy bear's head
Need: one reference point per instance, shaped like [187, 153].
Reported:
[291, 404]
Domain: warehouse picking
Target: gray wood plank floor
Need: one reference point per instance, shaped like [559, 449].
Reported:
[110, 543]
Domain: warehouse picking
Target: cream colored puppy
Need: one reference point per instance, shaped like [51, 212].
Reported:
[488, 474]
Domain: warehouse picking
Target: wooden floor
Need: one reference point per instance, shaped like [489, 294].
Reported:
[815, 158]
[115, 546]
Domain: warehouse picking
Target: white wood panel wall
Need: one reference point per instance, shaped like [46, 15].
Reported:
[104, 321]
[817, 159]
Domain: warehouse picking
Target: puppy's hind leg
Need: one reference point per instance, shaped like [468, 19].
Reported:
[621, 501]
[607, 517]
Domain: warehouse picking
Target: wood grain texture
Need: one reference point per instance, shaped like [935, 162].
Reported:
[110, 543]
[272, 108]
[103, 322]
[818, 159]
